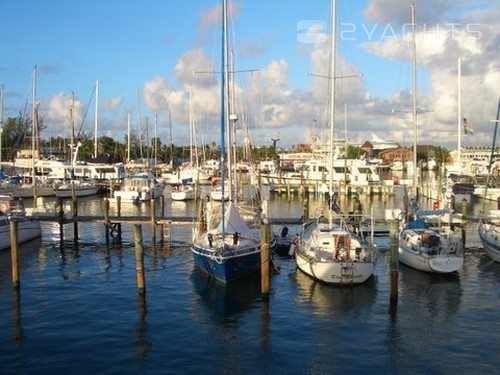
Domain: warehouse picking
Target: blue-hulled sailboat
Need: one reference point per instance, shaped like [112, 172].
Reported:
[227, 246]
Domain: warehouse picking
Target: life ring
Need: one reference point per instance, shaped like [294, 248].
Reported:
[435, 205]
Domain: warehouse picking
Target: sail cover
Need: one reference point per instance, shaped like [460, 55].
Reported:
[234, 223]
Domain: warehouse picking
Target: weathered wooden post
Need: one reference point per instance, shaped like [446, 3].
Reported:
[139, 260]
[105, 204]
[153, 222]
[119, 214]
[14, 244]
[162, 210]
[394, 262]
[464, 222]
[60, 202]
[74, 204]
[305, 204]
[265, 259]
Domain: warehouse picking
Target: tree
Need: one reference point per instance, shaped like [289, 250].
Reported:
[15, 131]
[354, 152]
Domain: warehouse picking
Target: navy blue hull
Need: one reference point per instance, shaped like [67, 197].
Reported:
[227, 269]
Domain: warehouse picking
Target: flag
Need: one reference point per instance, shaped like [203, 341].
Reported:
[468, 128]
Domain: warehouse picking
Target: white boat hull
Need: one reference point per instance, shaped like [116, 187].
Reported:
[340, 273]
[183, 195]
[444, 256]
[334, 255]
[490, 238]
[26, 230]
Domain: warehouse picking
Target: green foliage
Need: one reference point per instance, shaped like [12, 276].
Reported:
[354, 152]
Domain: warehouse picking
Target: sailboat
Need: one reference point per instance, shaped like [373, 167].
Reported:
[227, 247]
[27, 229]
[75, 187]
[489, 225]
[31, 187]
[335, 250]
[438, 250]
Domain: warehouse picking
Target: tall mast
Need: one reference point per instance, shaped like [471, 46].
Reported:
[333, 40]
[33, 134]
[1, 127]
[224, 91]
[95, 116]
[233, 117]
[128, 137]
[155, 144]
[459, 111]
[191, 125]
[171, 137]
[332, 88]
[414, 95]
[227, 95]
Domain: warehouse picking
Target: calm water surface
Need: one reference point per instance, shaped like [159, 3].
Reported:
[79, 312]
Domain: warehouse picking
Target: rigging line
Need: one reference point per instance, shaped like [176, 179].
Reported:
[85, 114]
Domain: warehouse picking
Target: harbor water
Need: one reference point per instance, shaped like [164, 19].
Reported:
[78, 310]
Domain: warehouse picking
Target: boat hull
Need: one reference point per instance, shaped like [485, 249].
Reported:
[27, 230]
[437, 264]
[333, 272]
[226, 269]
[67, 193]
[490, 238]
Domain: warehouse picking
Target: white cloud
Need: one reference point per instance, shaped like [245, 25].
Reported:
[112, 102]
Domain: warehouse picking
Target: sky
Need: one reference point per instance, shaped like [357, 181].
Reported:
[157, 62]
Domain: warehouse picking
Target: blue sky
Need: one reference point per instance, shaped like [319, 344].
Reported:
[152, 46]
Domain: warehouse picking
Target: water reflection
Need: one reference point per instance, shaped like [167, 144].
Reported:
[328, 300]
[142, 344]
[433, 295]
[225, 303]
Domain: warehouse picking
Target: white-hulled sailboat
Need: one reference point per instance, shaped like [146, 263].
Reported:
[420, 246]
[333, 249]
[489, 225]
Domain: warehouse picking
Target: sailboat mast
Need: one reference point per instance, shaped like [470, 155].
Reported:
[33, 135]
[1, 127]
[459, 111]
[224, 90]
[414, 95]
[155, 144]
[333, 48]
[232, 121]
[128, 137]
[171, 137]
[191, 124]
[95, 116]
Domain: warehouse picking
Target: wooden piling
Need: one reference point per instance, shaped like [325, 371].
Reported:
[305, 205]
[105, 204]
[60, 203]
[265, 260]
[139, 260]
[162, 211]
[394, 262]
[14, 245]
[74, 205]
[464, 222]
[153, 221]
[119, 214]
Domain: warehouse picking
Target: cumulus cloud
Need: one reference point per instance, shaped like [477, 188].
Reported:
[268, 104]
[59, 113]
[112, 102]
